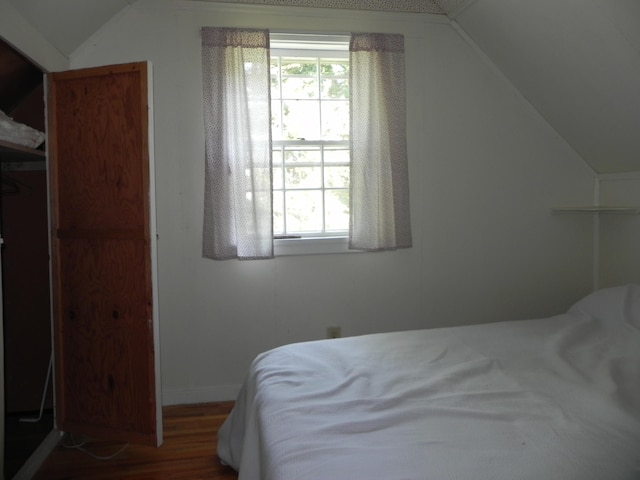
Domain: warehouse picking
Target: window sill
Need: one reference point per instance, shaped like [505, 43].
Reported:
[311, 246]
[597, 209]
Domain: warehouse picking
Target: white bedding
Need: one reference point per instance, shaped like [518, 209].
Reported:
[552, 399]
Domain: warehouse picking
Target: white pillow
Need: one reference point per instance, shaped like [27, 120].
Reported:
[613, 305]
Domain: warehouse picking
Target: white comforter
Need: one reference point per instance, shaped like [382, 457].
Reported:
[548, 399]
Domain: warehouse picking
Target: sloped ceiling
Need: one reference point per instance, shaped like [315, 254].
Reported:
[67, 24]
[576, 61]
[578, 64]
[21, 89]
[18, 78]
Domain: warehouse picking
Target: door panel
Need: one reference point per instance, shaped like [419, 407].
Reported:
[101, 301]
[100, 121]
[104, 318]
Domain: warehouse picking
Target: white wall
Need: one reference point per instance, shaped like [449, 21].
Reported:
[484, 167]
[619, 234]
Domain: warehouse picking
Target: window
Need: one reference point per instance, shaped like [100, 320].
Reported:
[330, 180]
[310, 135]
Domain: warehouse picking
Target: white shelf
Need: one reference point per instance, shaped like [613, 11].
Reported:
[617, 210]
[14, 152]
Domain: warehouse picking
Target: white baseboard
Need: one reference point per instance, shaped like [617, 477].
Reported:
[37, 458]
[186, 396]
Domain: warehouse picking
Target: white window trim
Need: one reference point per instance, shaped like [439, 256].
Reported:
[311, 246]
[286, 41]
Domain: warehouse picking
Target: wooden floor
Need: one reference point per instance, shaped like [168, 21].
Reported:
[188, 451]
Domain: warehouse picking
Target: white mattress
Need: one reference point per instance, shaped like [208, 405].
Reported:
[555, 398]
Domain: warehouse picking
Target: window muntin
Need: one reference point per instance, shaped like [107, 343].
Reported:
[310, 133]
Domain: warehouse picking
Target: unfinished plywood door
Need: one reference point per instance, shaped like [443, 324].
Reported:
[105, 322]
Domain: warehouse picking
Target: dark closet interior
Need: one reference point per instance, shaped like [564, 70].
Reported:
[25, 266]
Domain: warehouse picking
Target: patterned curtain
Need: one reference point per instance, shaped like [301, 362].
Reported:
[238, 203]
[379, 194]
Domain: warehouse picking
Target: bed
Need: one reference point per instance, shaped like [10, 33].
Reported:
[555, 399]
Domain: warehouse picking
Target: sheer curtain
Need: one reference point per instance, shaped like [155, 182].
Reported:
[379, 195]
[236, 86]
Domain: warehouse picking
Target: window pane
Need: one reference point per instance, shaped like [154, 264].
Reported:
[303, 177]
[276, 121]
[275, 77]
[275, 66]
[277, 156]
[278, 181]
[299, 66]
[335, 120]
[301, 119]
[334, 67]
[299, 88]
[275, 87]
[336, 177]
[336, 155]
[337, 209]
[335, 88]
[304, 211]
[278, 213]
[277, 178]
[302, 155]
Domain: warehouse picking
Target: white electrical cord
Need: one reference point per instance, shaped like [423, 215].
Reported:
[77, 446]
[44, 394]
[80, 447]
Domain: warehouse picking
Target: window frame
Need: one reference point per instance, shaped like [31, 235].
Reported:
[292, 44]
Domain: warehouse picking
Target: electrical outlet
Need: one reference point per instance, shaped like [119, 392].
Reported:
[333, 332]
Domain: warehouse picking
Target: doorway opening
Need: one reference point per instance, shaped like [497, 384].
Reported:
[26, 306]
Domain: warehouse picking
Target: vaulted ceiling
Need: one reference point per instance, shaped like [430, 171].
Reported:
[576, 61]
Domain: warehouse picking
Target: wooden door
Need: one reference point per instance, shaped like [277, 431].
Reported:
[103, 267]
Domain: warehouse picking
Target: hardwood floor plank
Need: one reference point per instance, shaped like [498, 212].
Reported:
[188, 452]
